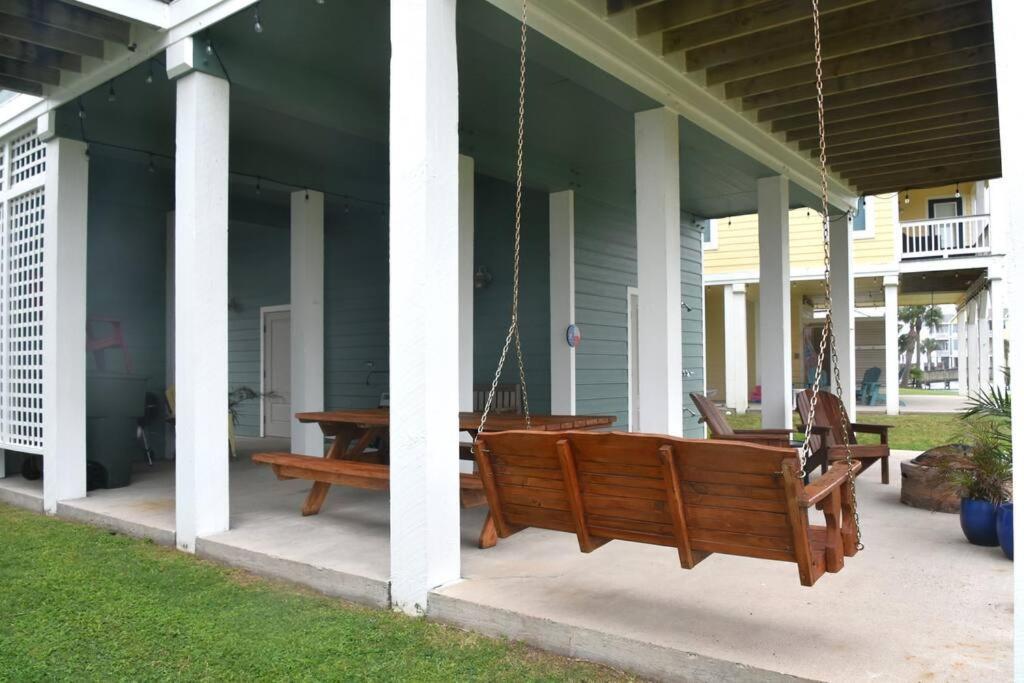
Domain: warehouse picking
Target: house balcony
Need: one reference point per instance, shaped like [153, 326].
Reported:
[946, 237]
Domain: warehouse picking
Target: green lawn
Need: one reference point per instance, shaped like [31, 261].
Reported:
[912, 431]
[928, 392]
[86, 605]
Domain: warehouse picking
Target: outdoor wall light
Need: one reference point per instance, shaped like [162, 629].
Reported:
[482, 277]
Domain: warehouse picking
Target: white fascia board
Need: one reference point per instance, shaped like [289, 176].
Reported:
[153, 12]
[940, 264]
[187, 18]
[799, 274]
[570, 24]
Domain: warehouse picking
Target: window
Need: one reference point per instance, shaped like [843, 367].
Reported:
[710, 234]
[863, 221]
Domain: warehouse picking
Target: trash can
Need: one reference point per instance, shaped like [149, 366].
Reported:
[114, 404]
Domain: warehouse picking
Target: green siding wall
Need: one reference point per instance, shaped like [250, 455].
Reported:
[692, 291]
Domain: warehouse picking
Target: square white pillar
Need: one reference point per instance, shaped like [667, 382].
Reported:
[307, 317]
[467, 228]
[201, 307]
[64, 290]
[562, 283]
[997, 305]
[424, 301]
[891, 285]
[775, 330]
[1007, 18]
[961, 351]
[984, 342]
[842, 310]
[735, 314]
[973, 347]
[658, 224]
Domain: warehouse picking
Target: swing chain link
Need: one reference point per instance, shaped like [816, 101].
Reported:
[828, 338]
[513, 328]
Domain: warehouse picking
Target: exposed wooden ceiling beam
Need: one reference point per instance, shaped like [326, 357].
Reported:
[848, 43]
[902, 150]
[896, 75]
[21, 85]
[27, 52]
[923, 130]
[885, 118]
[883, 93]
[618, 6]
[70, 18]
[834, 115]
[671, 13]
[933, 177]
[49, 36]
[879, 58]
[746, 21]
[29, 71]
[866, 176]
[910, 164]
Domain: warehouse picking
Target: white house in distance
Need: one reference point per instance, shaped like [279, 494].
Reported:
[201, 196]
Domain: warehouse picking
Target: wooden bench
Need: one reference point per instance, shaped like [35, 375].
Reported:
[353, 473]
[697, 496]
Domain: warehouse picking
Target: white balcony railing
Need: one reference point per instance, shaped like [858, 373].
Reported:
[943, 237]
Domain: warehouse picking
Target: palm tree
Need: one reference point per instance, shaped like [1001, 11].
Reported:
[929, 346]
[916, 318]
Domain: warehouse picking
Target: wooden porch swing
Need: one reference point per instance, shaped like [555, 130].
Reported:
[698, 496]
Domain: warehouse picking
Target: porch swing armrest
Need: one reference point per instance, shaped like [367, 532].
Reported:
[817, 431]
[828, 483]
[870, 428]
[763, 431]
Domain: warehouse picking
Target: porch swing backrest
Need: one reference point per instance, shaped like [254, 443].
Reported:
[697, 496]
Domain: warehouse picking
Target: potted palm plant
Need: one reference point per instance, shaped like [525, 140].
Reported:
[983, 474]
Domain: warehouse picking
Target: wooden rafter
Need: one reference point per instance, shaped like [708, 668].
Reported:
[41, 38]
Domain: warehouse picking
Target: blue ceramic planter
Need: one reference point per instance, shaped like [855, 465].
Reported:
[978, 521]
[1004, 528]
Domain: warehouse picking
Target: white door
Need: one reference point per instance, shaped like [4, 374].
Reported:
[634, 360]
[277, 373]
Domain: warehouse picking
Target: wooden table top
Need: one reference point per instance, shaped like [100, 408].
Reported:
[381, 417]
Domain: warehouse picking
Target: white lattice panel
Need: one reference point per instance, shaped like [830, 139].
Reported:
[28, 157]
[24, 318]
[3, 167]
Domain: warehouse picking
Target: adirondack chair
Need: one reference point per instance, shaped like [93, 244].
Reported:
[827, 432]
[507, 398]
[720, 428]
[698, 496]
[867, 394]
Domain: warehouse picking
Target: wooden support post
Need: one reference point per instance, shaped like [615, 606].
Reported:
[467, 230]
[424, 301]
[64, 288]
[307, 317]
[201, 305]
[562, 226]
[736, 371]
[891, 284]
[842, 309]
[774, 333]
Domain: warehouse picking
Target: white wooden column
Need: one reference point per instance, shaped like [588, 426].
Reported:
[307, 317]
[984, 341]
[842, 310]
[735, 314]
[201, 305]
[467, 228]
[891, 285]
[562, 282]
[1008, 17]
[64, 288]
[997, 304]
[169, 435]
[775, 331]
[973, 348]
[658, 221]
[424, 297]
[961, 351]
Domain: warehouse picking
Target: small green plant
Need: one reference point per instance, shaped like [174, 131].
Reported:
[916, 375]
[240, 395]
[985, 470]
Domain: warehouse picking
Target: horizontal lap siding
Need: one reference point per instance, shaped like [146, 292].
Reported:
[691, 289]
[494, 249]
[605, 267]
[258, 274]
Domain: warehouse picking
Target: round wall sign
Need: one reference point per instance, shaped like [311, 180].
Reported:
[572, 336]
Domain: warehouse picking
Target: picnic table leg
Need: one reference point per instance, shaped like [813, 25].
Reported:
[489, 533]
[337, 451]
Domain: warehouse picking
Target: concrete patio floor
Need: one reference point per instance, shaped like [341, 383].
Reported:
[918, 603]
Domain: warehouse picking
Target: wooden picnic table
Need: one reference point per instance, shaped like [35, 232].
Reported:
[355, 431]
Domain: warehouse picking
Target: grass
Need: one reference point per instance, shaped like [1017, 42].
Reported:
[907, 391]
[912, 431]
[84, 604]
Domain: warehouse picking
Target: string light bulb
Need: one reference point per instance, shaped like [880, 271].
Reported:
[257, 21]
[906, 197]
[81, 110]
[111, 94]
[151, 168]
[957, 193]
[209, 48]
[149, 76]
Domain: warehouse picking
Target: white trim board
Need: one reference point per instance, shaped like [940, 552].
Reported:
[264, 310]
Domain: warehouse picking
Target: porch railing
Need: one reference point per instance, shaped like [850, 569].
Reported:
[943, 237]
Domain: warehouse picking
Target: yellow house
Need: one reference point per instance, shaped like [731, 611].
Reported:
[928, 246]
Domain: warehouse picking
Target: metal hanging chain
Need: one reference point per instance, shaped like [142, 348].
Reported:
[513, 328]
[828, 337]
